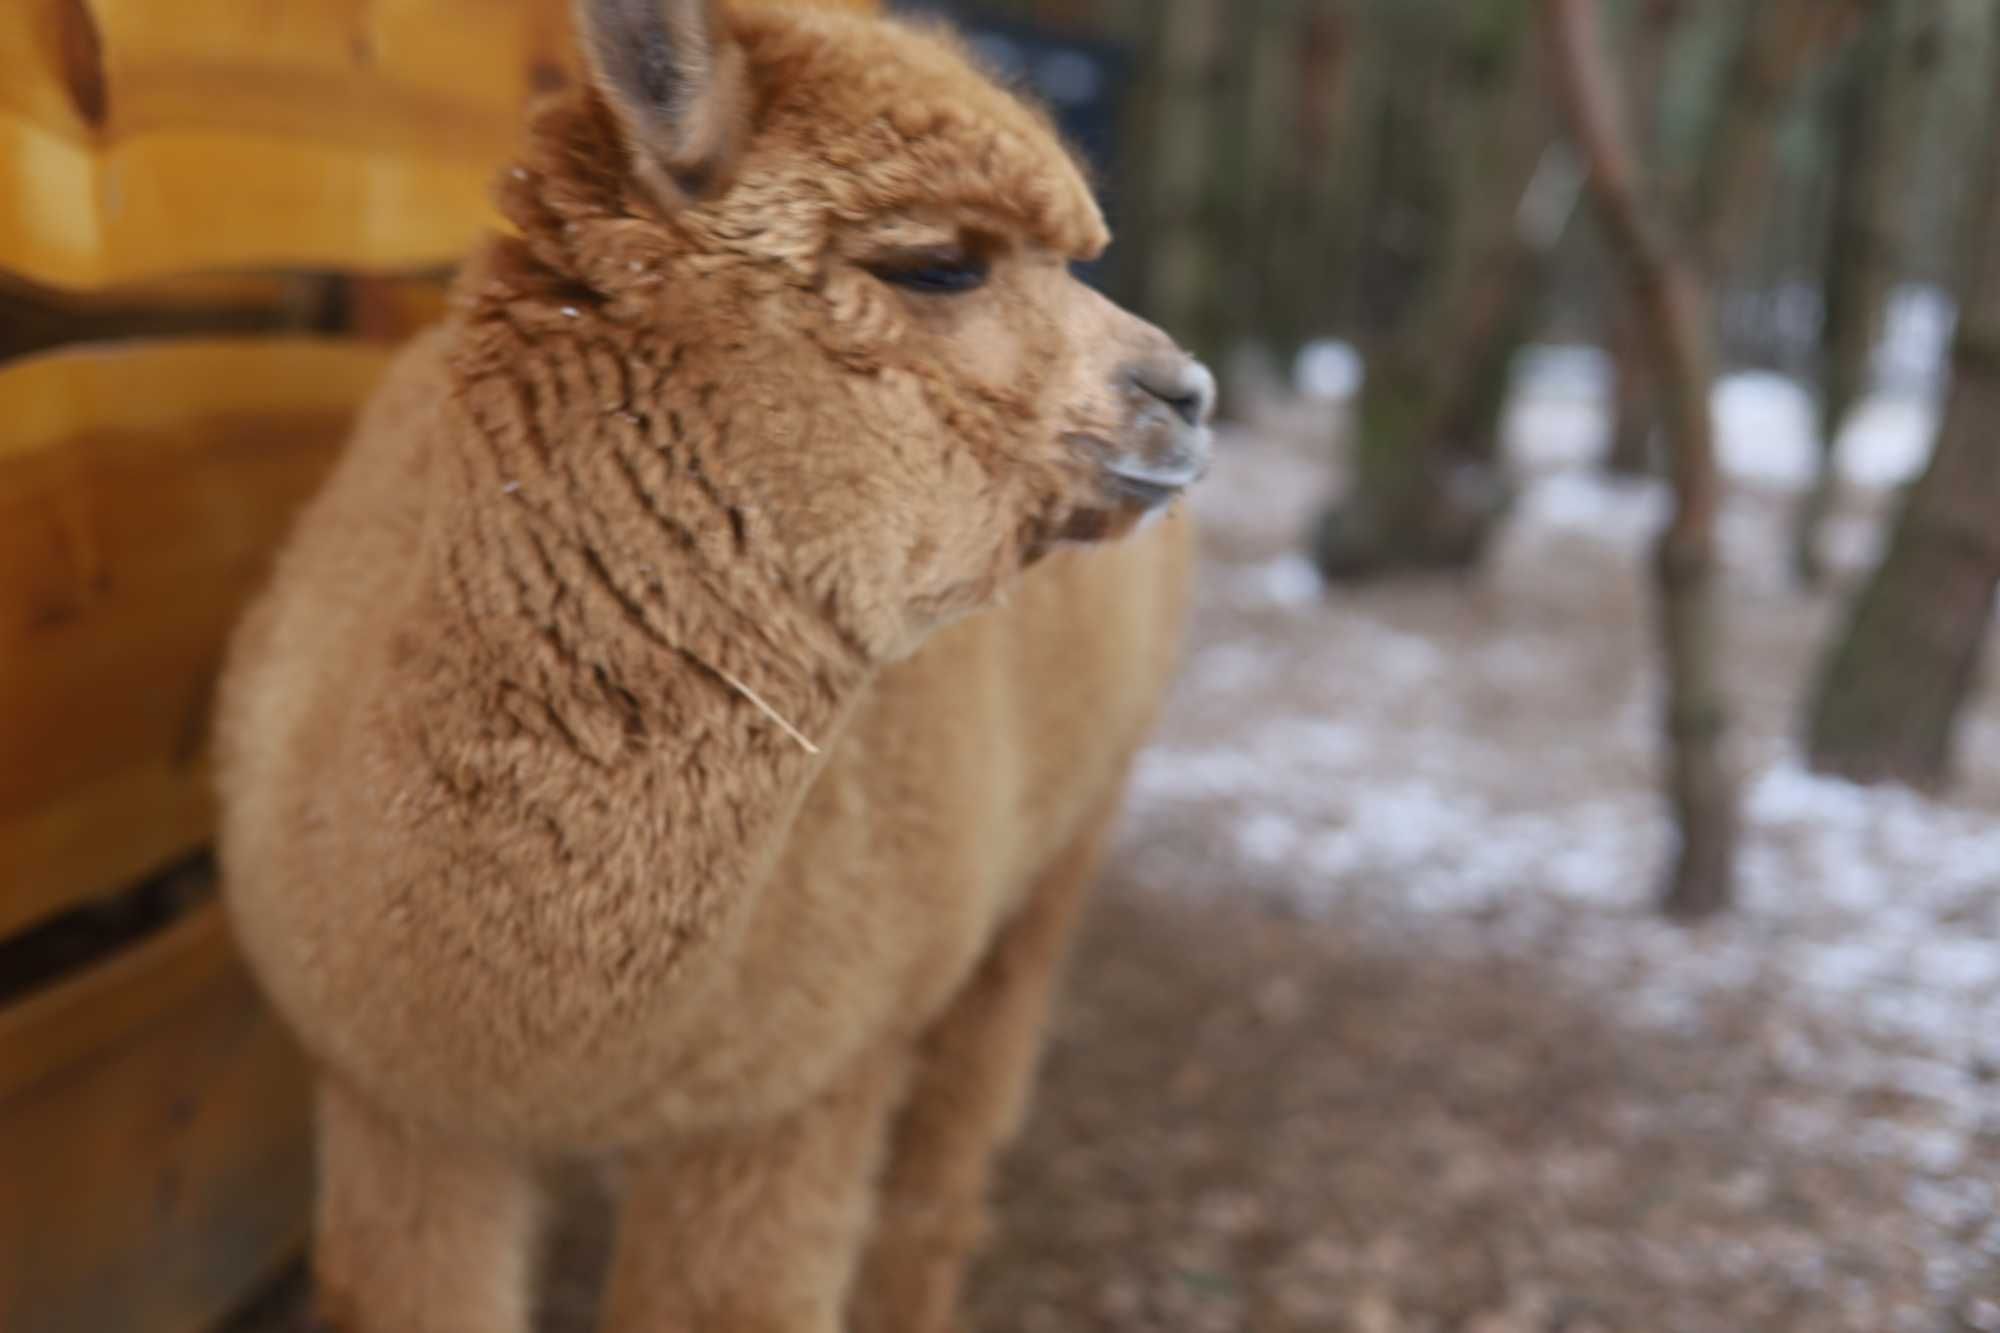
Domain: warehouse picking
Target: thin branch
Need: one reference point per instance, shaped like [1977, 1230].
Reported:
[1668, 290]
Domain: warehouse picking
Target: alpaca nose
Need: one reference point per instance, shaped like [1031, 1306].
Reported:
[1169, 444]
[1183, 384]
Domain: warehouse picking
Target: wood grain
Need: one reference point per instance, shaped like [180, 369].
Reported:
[142, 489]
[154, 1142]
[139, 138]
[438, 78]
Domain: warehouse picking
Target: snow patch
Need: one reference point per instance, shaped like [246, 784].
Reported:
[1887, 441]
[1620, 511]
[1765, 429]
[1766, 424]
[1407, 801]
[1290, 581]
[1328, 370]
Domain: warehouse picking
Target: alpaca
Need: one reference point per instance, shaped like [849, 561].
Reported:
[676, 739]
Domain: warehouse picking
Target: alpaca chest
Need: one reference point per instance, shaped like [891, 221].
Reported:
[888, 893]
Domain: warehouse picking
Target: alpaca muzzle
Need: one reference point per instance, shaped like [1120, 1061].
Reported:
[1169, 444]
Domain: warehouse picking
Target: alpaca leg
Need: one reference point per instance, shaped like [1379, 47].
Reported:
[754, 1231]
[418, 1232]
[977, 1069]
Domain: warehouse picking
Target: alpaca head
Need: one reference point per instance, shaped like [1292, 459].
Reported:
[865, 248]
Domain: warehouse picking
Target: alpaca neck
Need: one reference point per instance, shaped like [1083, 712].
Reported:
[611, 655]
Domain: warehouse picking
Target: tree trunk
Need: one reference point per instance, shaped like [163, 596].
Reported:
[1898, 678]
[1635, 405]
[1666, 285]
[1455, 295]
[1241, 188]
[1361, 177]
[1129, 263]
[1635, 401]
[1299, 235]
[1783, 39]
[1872, 123]
[1777, 44]
[1182, 281]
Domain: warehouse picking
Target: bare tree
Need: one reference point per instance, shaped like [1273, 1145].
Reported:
[1873, 120]
[1635, 411]
[1184, 283]
[1782, 42]
[1898, 676]
[1298, 245]
[1667, 286]
[1775, 43]
[1450, 288]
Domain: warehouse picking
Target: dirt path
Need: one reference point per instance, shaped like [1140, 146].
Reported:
[1250, 1122]
[1375, 1030]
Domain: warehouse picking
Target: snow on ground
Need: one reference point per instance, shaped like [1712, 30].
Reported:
[1467, 770]
[1765, 428]
[1765, 422]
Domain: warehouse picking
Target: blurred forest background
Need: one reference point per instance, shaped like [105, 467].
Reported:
[1397, 198]
[1607, 520]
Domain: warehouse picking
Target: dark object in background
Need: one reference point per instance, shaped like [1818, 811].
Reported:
[1084, 81]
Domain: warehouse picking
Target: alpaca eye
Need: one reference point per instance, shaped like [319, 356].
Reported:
[937, 276]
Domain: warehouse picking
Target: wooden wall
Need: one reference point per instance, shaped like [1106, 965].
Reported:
[202, 204]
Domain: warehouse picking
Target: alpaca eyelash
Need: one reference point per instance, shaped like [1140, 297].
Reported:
[936, 275]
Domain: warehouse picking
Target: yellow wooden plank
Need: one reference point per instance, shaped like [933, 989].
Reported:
[47, 401]
[142, 489]
[154, 1141]
[79, 1018]
[139, 138]
[196, 292]
[435, 78]
[174, 202]
[101, 835]
[34, 318]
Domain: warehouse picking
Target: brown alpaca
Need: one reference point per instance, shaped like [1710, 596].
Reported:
[616, 772]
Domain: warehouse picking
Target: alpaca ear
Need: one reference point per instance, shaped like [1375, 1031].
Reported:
[677, 83]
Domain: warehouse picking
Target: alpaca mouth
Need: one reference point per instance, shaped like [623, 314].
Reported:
[1127, 498]
[1149, 488]
[1130, 480]
[1124, 489]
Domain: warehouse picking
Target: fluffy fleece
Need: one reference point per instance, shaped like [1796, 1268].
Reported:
[654, 748]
